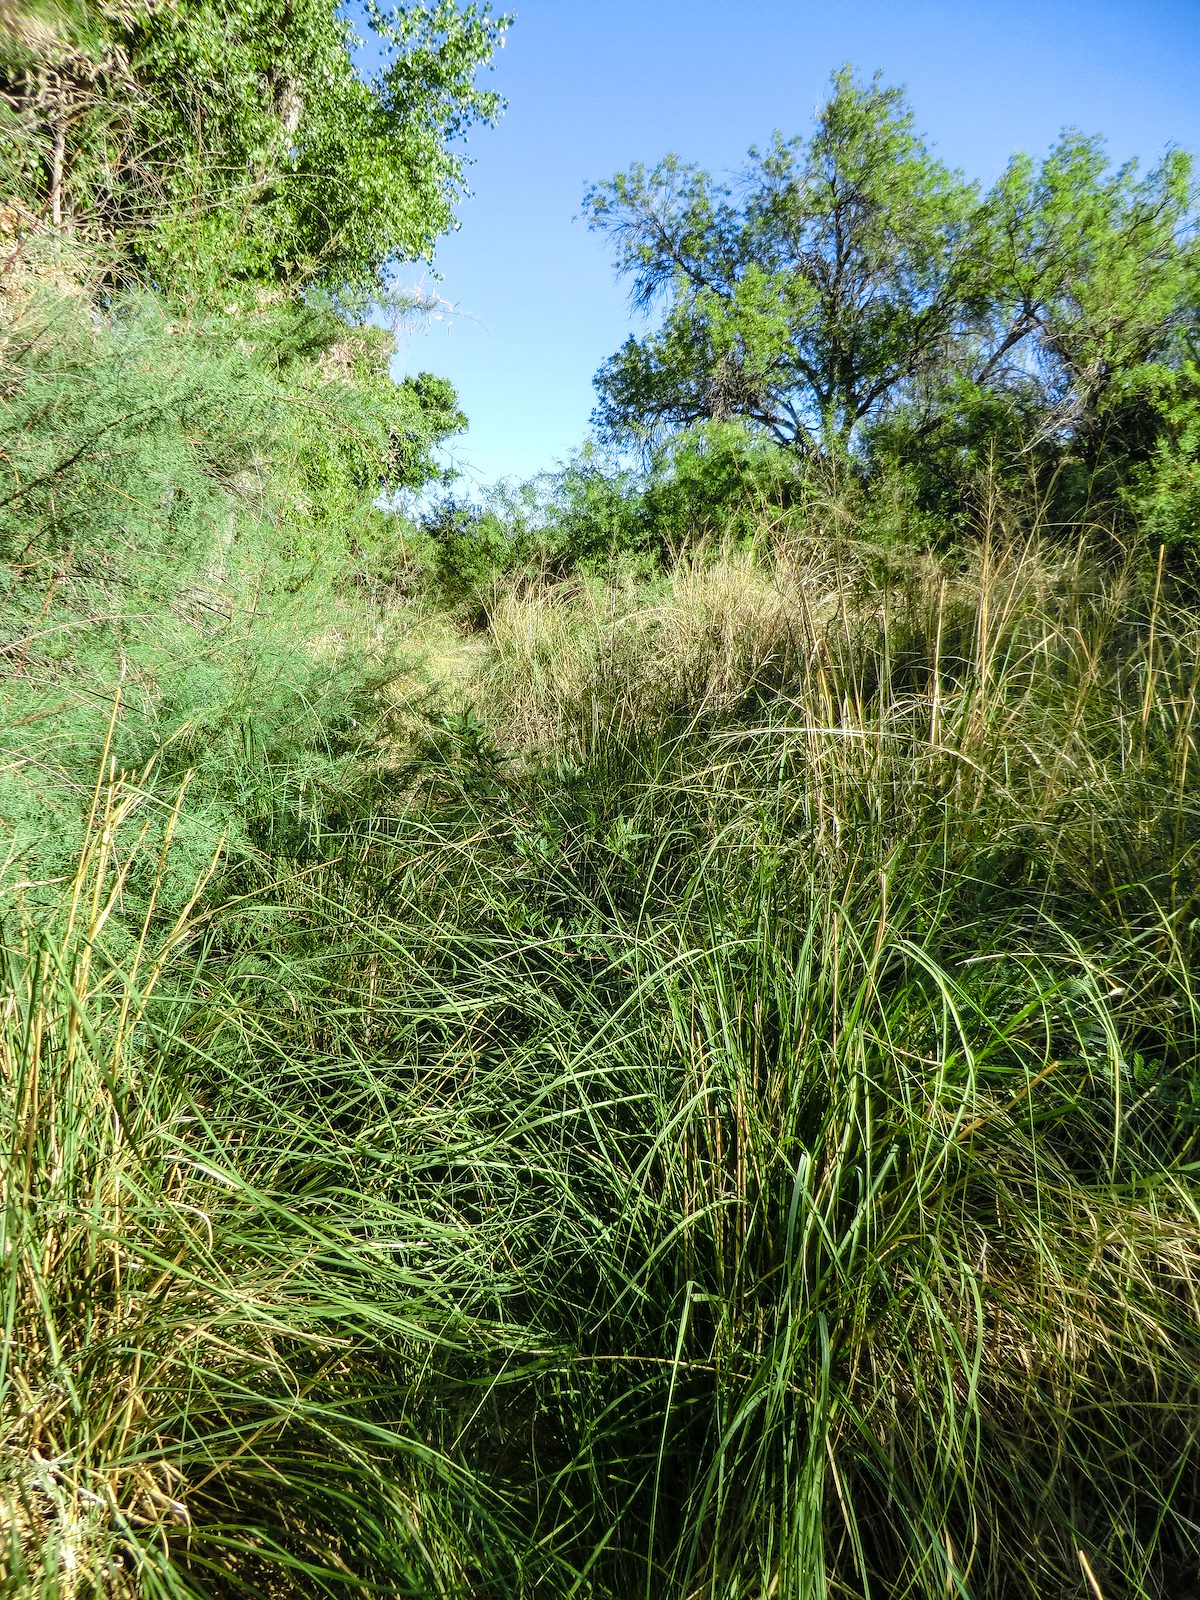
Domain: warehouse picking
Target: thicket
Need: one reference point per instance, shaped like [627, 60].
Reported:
[197, 416]
[702, 1101]
[599, 517]
[234, 141]
[189, 534]
[854, 300]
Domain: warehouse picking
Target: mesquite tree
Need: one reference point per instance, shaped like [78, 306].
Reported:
[849, 282]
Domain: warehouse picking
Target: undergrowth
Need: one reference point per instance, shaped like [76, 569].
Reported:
[187, 532]
[715, 1116]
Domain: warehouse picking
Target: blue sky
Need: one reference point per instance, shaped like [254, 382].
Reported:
[532, 308]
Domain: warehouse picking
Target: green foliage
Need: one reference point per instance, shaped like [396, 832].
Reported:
[581, 519]
[595, 517]
[146, 432]
[1094, 263]
[849, 297]
[700, 1127]
[734, 1084]
[1165, 494]
[907, 905]
[807, 305]
[229, 162]
[122, 439]
[718, 480]
[233, 140]
[471, 547]
[198, 423]
[186, 515]
[586, 515]
[221, 1307]
[708, 1106]
[1089, 276]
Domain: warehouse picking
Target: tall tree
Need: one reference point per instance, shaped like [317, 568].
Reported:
[850, 280]
[805, 305]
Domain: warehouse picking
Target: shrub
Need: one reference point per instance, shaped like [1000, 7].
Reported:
[184, 516]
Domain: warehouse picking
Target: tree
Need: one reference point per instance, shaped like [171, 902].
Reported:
[238, 132]
[806, 305]
[1086, 279]
[851, 285]
[238, 192]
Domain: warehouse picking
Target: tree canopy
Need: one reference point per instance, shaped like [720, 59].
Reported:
[240, 132]
[849, 279]
[241, 173]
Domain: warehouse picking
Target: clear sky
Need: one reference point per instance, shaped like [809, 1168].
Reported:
[593, 85]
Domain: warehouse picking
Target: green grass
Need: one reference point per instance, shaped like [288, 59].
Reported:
[715, 1118]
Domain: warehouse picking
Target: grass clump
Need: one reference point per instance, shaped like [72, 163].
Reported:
[880, 1234]
[219, 1312]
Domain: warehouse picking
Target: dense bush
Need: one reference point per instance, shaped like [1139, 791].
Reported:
[1164, 496]
[595, 517]
[235, 141]
[189, 510]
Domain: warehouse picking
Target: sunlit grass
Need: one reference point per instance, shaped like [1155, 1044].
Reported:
[721, 1122]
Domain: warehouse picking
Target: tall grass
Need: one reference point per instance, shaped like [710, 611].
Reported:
[217, 1311]
[908, 863]
[721, 1121]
